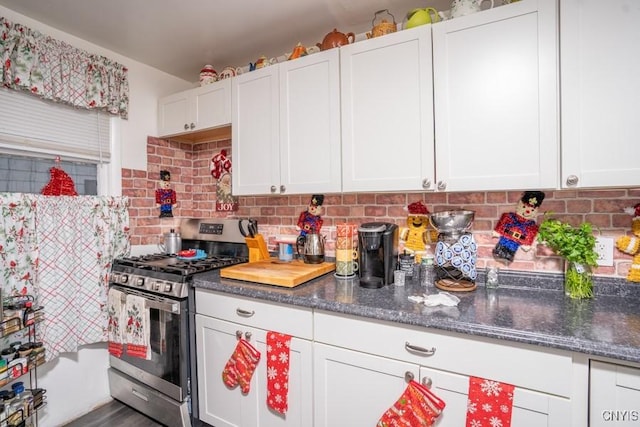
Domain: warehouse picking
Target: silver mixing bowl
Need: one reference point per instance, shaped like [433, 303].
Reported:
[452, 221]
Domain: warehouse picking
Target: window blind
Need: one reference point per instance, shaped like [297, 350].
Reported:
[32, 126]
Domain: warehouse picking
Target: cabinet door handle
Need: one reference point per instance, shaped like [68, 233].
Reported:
[408, 376]
[426, 184]
[427, 382]
[442, 185]
[283, 189]
[273, 188]
[244, 313]
[416, 349]
[572, 181]
[186, 126]
[192, 126]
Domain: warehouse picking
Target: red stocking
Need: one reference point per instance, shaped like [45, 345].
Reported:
[246, 363]
[230, 373]
[417, 407]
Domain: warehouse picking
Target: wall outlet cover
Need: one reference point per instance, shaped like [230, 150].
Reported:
[604, 248]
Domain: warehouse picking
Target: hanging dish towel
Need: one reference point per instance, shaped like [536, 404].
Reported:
[490, 403]
[417, 407]
[137, 332]
[115, 310]
[278, 371]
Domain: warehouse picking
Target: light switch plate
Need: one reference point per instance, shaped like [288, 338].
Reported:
[604, 248]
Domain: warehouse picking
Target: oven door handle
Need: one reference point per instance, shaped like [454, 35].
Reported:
[170, 307]
[152, 301]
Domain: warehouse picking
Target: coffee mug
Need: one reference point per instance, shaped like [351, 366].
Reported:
[345, 243]
[346, 254]
[346, 230]
[346, 268]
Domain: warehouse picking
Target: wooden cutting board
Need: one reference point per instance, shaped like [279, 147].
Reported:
[276, 272]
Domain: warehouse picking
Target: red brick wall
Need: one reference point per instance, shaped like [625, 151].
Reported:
[277, 215]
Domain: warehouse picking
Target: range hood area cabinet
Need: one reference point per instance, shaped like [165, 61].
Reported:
[286, 127]
[600, 92]
[190, 115]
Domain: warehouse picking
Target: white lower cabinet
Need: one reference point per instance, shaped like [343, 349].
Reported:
[530, 408]
[219, 318]
[353, 388]
[361, 368]
[614, 395]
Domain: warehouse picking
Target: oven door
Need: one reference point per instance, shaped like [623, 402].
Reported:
[168, 369]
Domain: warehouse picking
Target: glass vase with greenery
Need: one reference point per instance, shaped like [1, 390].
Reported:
[577, 246]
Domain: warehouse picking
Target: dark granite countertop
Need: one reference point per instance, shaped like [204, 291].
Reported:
[527, 308]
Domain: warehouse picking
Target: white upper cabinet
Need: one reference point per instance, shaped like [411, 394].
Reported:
[286, 127]
[255, 132]
[195, 109]
[310, 124]
[387, 112]
[600, 69]
[496, 98]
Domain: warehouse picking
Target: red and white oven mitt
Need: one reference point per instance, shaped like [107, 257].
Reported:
[417, 407]
[490, 403]
[278, 353]
[240, 367]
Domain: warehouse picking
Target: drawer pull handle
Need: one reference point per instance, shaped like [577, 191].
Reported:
[408, 376]
[247, 335]
[416, 349]
[139, 395]
[427, 382]
[238, 334]
[244, 313]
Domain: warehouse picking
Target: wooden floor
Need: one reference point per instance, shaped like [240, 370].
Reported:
[113, 414]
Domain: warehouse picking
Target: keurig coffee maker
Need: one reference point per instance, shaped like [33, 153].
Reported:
[378, 248]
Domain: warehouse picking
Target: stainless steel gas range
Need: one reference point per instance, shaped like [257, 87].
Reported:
[160, 385]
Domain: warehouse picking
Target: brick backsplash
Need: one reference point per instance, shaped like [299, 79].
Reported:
[277, 215]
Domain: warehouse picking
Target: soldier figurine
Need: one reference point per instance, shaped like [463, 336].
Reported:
[519, 228]
[165, 195]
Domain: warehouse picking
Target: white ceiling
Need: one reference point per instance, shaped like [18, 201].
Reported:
[180, 36]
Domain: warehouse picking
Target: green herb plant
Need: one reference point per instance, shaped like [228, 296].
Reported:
[577, 246]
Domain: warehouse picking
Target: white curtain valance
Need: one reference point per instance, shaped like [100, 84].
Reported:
[57, 71]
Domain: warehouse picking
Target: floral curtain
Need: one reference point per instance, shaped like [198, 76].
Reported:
[72, 242]
[57, 71]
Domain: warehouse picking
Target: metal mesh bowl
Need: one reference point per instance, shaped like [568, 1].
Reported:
[452, 221]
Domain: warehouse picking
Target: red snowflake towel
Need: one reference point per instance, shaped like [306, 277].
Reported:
[278, 371]
[490, 403]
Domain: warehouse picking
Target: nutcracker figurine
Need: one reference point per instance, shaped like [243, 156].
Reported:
[165, 195]
[518, 229]
[310, 220]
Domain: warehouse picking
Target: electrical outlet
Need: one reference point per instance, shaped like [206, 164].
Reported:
[604, 248]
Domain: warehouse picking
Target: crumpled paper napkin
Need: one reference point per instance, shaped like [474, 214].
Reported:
[433, 300]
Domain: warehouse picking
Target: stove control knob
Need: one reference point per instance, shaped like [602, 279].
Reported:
[156, 286]
[124, 278]
[140, 281]
[167, 287]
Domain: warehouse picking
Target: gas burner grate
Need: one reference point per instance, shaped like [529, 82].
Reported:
[170, 264]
